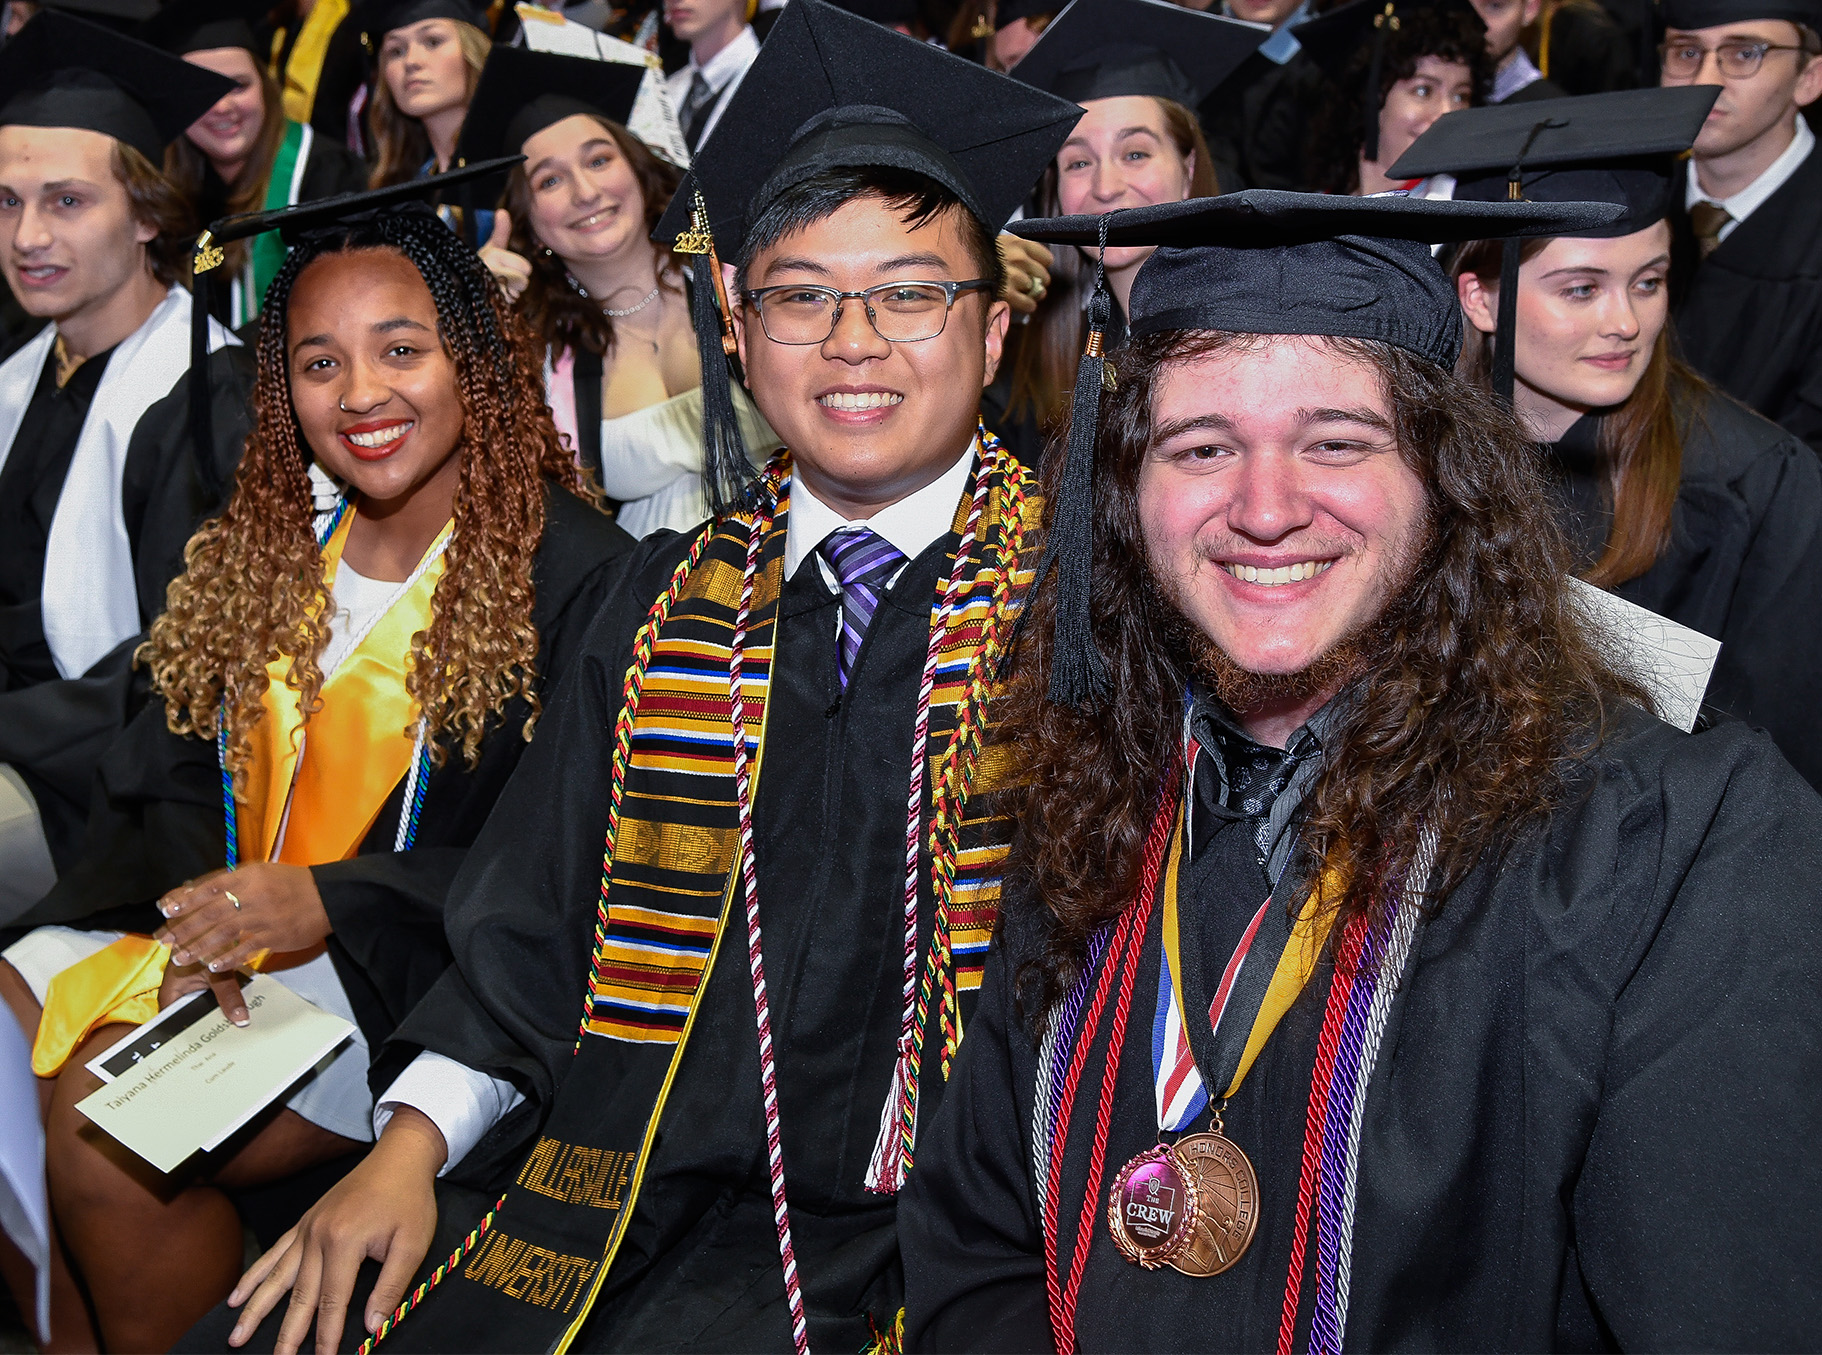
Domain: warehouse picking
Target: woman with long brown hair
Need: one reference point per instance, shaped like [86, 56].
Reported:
[610, 306]
[1674, 496]
[427, 57]
[1138, 143]
[244, 154]
[348, 672]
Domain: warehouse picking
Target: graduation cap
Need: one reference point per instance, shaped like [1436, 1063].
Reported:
[521, 92]
[61, 71]
[830, 90]
[123, 16]
[377, 18]
[1616, 148]
[1332, 40]
[1260, 262]
[203, 25]
[295, 225]
[1106, 49]
[1714, 13]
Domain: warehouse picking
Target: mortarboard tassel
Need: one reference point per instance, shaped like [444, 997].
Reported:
[203, 263]
[1505, 330]
[1383, 25]
[727, 473]
[1078, 673]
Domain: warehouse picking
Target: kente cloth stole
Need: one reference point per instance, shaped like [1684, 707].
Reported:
[337, 771]
[526, 1275]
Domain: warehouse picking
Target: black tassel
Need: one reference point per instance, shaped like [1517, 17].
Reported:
[202, 422]
[1370, 97]
[1078, 673]
[1505, 334]
[727, 473]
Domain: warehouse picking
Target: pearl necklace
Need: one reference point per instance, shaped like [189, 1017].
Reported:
[635, 308]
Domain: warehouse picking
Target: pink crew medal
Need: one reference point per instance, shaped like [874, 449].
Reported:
[1153, 1208]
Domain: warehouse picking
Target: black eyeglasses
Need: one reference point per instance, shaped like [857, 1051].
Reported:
[1736, 60]
[801, 314]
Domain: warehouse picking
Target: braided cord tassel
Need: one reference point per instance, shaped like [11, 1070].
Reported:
[230, 813]
[466, 1245]
[762, 1011]
[630, 690]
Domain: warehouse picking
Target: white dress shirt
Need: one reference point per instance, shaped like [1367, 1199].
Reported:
[1750, 198]
[464, 1103]
[724, 71]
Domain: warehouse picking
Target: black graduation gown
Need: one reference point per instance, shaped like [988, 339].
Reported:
[1537, 90]
[53, 732]
[1590, 1126]
[1750, 319]
[157, 819]
[698, 1268]
[1588, 52]
[1743, 566]
[1256, 121]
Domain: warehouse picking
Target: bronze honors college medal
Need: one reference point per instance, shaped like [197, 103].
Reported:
[1227, 1203]
[1151, 1210]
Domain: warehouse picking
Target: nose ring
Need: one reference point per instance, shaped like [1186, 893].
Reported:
[341, 406]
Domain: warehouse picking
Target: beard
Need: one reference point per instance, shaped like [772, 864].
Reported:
[1241, 689]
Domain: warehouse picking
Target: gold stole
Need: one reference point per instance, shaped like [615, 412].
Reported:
[360, 740]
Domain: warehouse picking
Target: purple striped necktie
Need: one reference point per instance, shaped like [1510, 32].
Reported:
[863, 562]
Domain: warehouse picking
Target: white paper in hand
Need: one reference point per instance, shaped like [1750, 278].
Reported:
[1672, 660]
[654, 120]
[188, 1078]
[24, 1204]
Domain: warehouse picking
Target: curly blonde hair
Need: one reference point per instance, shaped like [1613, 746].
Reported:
[253, 589]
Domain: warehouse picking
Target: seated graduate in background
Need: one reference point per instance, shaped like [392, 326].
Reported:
[1672, 495]
[1515, 74]
[574, 249]
[99, 483]
[345, 689]
[1257, 120]
[1431, 62]
[1138, 68]
[695, 1058]
[244, 154]
[1365, 936]
[1750, 314]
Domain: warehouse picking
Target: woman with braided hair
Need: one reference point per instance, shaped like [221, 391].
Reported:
[348, 675]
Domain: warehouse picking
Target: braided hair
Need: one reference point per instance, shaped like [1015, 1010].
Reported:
[252, 590]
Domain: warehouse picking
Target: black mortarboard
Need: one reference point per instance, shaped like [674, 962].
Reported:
[1617, 148]
[377, 18]
[1261, 262]
[204, 25]
[1333, 39]
[1010, 11]
[1714, 13]
[123, 16]
[831, 90]
[294, 225]
[61, 71]
[1107, 49]
[521, 92]
[890, 13]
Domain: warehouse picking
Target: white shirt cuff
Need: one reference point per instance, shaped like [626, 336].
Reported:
[462, 1103]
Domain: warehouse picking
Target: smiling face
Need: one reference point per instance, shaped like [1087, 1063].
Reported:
[1762, 103]
[375, 392]
[585, 198]
[869, 422]
[424, 68]
[1589, 316]
[230, 130]
[1437, 87]
[1121, 154]
[68, 238]
[1277, 511]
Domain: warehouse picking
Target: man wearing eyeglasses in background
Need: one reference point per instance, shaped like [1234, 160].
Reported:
[1750, 319]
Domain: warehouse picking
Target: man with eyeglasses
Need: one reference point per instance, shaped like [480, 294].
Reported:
[1751, 316]
[726, 926]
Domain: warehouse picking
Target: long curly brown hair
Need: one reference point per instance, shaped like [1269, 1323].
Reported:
[253, 587]
[1483, 686]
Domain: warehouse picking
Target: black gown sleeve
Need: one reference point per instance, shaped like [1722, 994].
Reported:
[969, 1225]
[1694, 1213]
[520, 916]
